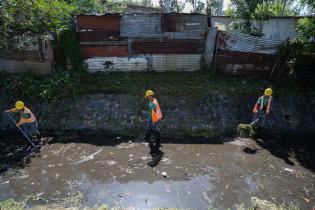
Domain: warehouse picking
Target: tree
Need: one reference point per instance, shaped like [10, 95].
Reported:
[171, 6]
[197, 6]
[177, 6]
[40, 17]
[284, 8]
[252, 13]
[216, 6]
[147, 3]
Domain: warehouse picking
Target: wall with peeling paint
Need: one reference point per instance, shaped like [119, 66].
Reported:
[143, 42]
[104, 64]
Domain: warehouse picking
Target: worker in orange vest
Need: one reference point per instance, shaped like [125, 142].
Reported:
[27, 120]
[262, 108]
[153, 128]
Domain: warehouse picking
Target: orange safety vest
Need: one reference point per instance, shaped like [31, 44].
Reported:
[156, 116]
[27, 120]
[260, 106]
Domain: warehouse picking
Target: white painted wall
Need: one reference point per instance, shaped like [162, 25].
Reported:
[157, 62]
[175, 62]
[116, 64]
[277, 28]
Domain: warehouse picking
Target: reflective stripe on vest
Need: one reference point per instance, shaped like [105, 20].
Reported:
[156, 116]
[28, 120]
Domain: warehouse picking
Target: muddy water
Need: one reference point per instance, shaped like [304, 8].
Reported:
[198, 175]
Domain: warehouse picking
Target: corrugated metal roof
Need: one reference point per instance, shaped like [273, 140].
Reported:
[246, 43]
[241, 55]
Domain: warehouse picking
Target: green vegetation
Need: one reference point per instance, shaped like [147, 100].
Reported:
[245, 130]
[254, 13]
[301, 52]
[69, 44]
[72, 84]
[11, 204]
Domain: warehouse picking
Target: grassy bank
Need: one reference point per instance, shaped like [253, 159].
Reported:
[71, 84]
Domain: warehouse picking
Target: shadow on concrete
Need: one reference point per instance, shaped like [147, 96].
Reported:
[12, 154]
[290, 148]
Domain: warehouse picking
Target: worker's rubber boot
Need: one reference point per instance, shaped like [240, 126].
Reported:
[39, 137]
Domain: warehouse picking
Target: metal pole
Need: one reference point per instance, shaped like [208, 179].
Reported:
[21, 130]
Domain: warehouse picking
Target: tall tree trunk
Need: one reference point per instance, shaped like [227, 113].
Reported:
[283, 7]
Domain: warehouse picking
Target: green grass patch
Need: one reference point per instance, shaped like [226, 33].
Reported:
[71, 84]
[11, 204]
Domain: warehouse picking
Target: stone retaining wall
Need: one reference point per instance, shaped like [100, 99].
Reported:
[213, 114]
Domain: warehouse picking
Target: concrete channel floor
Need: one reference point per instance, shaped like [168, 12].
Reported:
[199, 176]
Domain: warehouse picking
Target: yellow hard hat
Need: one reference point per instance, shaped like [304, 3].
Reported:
[149, 93]
[19, 105]
[268, 92]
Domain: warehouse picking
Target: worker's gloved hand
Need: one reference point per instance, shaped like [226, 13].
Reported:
[17, 125]
[7, 111]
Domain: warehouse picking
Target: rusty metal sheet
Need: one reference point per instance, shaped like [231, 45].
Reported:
[242, 70]
[167, 46]
[102, 23]
[90, 51]
[235, 63]
[235, 57]
[89, 36]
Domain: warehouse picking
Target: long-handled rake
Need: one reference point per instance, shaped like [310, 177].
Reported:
[21, 130]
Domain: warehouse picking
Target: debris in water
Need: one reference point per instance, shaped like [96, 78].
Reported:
[164, 174]
[111, 162]
[167, 188]
[306, 200]
[90, 157]
[7, 182]
[291, 171]
[118, 137]
[262, 204]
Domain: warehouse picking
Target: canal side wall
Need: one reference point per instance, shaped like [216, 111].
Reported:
[214, 114]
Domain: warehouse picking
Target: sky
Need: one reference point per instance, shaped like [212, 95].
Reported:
[226, 5]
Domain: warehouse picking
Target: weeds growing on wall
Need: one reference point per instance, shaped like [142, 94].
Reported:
[67, 84]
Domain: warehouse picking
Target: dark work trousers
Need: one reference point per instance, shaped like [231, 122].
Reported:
[261, 116]
[31, 129]
[154, 143]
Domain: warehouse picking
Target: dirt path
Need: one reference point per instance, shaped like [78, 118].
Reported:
[198, 175]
